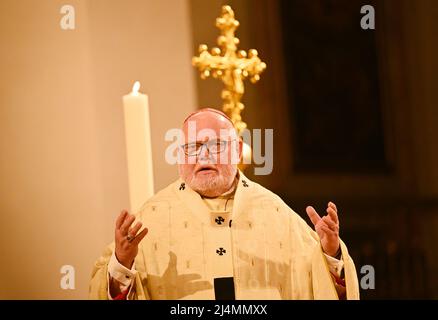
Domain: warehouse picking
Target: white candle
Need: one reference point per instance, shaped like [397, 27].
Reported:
[138, 147]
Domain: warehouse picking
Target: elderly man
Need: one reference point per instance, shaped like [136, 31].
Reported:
[215, 234]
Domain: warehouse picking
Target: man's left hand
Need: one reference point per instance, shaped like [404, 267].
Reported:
[327, 228]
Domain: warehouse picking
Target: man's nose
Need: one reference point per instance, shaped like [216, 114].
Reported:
[204, 153]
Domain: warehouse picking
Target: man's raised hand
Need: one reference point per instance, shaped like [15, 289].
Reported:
[127, 239]
[327, 228]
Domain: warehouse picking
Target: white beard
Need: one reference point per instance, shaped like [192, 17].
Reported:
[213, 187]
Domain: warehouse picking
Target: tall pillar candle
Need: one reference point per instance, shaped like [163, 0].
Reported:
[138, 147]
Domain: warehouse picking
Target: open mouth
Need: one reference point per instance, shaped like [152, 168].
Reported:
[206, 169]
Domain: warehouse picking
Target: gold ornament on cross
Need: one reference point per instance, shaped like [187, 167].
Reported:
[230, 65]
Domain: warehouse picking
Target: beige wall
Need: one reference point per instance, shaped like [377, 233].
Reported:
[63, 162]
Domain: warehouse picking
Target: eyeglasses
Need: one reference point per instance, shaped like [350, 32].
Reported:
[213, 146]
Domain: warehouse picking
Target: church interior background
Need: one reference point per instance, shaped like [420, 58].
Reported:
[353, 111]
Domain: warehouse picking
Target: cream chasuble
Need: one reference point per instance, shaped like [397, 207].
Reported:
[220, 211]
[269, 249]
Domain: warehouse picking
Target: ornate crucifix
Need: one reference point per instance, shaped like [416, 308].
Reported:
[230, 65]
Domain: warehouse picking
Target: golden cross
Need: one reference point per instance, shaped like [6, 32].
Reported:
[230, 65]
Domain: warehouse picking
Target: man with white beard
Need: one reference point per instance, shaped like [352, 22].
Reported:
[215, 234]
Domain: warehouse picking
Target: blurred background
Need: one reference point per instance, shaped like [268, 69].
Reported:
[353, 111]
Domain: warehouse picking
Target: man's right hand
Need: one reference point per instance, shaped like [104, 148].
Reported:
[127, 239]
